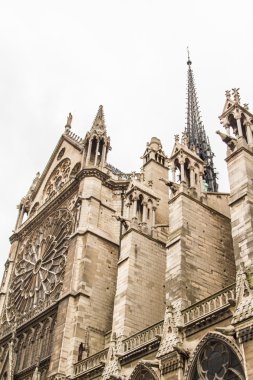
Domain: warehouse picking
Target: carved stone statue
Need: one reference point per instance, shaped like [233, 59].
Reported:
[69, 119]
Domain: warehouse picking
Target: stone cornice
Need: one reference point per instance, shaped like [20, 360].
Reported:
[96, 232]
[97, 200]
[139, 352]
[237, 151]
[30, 370]
[132, 229]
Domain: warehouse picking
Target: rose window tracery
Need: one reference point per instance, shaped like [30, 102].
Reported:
[58, 178]
[40, 265]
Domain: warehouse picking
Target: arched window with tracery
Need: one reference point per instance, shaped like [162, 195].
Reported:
[143, 372]
[217, 361]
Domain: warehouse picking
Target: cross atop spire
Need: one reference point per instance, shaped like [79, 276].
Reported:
[197, 138]
[189, 62]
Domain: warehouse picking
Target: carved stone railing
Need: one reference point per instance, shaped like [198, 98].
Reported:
[209, 305]
[142, 337]
[91, 362]
[129, 344]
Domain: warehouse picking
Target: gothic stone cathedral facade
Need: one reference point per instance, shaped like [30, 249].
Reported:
[134, 276]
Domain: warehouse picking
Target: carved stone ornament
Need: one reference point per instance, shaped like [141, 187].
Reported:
[112, 368]
[172, 336]
[39, 271]
[244, 294]
[58, 178]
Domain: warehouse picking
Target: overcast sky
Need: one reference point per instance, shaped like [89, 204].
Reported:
[71, 56]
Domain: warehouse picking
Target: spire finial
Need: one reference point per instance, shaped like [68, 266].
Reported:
[189, 62]
[228, 95]
[236, 95]
[196, 133]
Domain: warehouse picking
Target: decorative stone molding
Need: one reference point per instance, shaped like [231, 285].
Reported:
[171, 363]
[245, 334]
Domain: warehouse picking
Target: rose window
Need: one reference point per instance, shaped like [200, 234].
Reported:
[40, 265]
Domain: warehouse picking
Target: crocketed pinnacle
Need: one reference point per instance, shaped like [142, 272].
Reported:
[196, 133]
[99, 121]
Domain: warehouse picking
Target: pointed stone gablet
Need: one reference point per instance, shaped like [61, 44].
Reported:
[195, 131]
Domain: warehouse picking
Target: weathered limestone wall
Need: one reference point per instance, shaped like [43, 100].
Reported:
[200, 258]
[240, 169]
[86, 313]
[153, 171]
[219, 202]
[99, 203]
[248, 355]
[139, 300]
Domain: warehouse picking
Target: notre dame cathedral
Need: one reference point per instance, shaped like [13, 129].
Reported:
[147, 275]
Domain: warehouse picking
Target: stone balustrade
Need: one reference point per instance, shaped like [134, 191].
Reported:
[142, 337]
[209, 305]
[200, 309]
[91, 362]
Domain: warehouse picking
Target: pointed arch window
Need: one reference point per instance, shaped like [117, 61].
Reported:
[143, 372]
[217, 361]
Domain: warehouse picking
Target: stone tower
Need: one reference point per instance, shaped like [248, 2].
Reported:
[134, 276]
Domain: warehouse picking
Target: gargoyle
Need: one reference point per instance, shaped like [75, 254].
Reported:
[172, 185]
[180, 350]
[230, 141]
[228, 330]
[122, 220]
[151, 363]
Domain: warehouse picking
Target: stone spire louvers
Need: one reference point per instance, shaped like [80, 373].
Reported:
[197, 138]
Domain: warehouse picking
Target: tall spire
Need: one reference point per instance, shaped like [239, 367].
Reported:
[196, 133]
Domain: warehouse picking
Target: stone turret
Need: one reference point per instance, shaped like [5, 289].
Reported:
[238, 123]
[96, 143]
